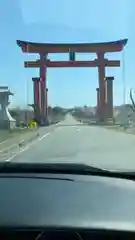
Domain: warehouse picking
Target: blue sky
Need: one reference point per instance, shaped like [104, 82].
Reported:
[65, 21]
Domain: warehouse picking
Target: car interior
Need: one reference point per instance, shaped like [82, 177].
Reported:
[62, 234]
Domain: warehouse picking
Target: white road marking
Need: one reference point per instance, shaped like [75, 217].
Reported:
[4, 141]
[44, 136]
[10, 158]
[7, 160]
[9, 147]
[27, 147]
[68, 126]
[57, 123]
[23, 149]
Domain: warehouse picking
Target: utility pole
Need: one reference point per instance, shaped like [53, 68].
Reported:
[27, 102]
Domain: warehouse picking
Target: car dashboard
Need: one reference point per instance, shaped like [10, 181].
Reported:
[65, 234]
[60, 206]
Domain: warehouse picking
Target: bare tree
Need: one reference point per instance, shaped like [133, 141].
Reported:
[132, 100]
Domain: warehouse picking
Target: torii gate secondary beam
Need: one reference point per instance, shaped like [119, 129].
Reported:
[60, 64]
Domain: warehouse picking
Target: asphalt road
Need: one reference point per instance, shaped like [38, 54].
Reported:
[71, 141]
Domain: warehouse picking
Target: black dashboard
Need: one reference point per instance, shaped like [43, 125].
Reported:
[65, 235]
[48, 206]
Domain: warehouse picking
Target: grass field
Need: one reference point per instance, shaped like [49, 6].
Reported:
[7, 134]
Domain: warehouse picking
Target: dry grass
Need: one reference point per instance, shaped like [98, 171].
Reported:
[7, 134]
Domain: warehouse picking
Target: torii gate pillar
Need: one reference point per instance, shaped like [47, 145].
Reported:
[101, 73]
[43, 72]
[47, 102]
[109, 97]
[98, 102]
[37, 98]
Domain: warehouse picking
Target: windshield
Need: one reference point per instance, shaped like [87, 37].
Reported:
[67, 85]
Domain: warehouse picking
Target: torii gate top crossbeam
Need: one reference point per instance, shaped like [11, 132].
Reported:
[32, 47]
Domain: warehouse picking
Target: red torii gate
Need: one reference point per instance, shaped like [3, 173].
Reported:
[43, 63]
